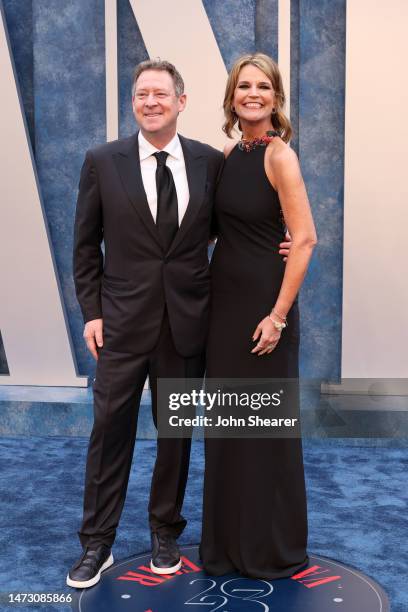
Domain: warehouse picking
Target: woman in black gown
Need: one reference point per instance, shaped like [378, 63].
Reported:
[254, 516]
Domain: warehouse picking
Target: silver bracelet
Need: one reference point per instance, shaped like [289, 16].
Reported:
[278, 326]
[278, 315]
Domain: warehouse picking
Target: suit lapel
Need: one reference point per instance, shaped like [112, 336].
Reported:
[128, 164]
[196, 169]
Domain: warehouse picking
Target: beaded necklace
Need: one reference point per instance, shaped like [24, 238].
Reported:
[247, 145]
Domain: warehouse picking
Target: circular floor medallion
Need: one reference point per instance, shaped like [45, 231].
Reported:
[324, 585]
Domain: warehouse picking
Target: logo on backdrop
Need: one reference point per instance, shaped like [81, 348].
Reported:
[324, 585]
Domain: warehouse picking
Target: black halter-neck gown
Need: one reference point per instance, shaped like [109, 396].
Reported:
[254, 513]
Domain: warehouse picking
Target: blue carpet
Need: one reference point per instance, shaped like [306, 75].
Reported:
[357, 499]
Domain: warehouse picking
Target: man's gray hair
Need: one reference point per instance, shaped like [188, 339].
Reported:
[158, 64]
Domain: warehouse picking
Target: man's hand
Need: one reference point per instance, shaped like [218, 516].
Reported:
[93, 335]
[284, 247]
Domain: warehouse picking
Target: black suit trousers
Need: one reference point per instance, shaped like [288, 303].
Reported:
[118, 387]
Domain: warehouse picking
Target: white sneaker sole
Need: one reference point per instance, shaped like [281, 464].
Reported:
[88, 583]
[165, 570]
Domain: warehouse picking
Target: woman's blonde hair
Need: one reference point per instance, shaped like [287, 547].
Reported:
[265, 63]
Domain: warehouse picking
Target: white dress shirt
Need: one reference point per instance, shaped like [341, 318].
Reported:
[175, 161]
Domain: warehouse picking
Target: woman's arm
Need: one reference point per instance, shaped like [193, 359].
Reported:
[283, 171]
[284, 174]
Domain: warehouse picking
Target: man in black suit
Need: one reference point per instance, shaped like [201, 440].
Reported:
[145, 306]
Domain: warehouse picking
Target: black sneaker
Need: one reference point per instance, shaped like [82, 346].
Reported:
[165, 554]
[87, 570]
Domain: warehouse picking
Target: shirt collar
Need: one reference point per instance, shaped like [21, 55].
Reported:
[146, 149]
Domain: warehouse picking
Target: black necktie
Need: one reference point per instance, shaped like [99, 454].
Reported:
[167, 207]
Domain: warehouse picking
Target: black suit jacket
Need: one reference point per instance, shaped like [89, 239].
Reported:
[130, 284]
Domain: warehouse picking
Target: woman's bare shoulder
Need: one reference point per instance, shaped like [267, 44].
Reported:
[282, 162]
[281, 154]
[278, 148]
